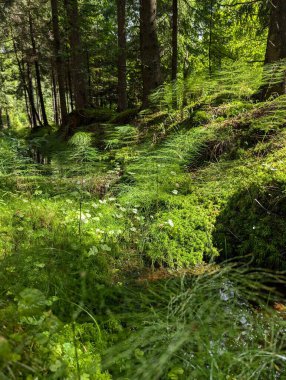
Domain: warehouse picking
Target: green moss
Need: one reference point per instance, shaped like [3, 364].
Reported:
[253, 223]
[182, 237]
[125, 117]
[200, 117]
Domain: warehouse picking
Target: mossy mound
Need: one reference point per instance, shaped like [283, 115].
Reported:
[85, 117]
[253, 223]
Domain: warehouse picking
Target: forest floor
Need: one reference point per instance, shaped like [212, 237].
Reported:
[133, 261]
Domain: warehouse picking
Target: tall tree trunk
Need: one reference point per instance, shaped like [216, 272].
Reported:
[122, 81]
[38, 74]
[175, 40]
[149, 46]
[211, 35]
[77, 59]
[34, 115]
[58, 60]
[69, 86]
[55, 98]
[276, 42]
[8, 119]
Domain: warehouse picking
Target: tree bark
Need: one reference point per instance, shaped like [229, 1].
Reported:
[31, 97]
[175, 40]
[276, 42]
[122, 81]
[58, 60]
[149, 46]
[55, 98]
[38, 74]
[77, 59]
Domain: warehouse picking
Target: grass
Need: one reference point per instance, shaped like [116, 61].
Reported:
[168, 197]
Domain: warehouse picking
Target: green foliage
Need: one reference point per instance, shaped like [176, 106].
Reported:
[206, 328]
[13, 154]
[253, 223]
[125, 117]
[182, 237]
[200, 118]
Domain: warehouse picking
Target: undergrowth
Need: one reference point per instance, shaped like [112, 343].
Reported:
[174, 188]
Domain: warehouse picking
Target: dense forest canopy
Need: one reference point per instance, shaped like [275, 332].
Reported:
[59, 56]
[142, 189]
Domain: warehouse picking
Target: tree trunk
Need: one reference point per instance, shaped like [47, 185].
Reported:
[122, 81]
[8, 119]
[211, 36]
[55, 98]
[276, 42]
[31, 97]
[37, 72]
[77, 59]
[58, 60]
[149, 46]
[175, 40]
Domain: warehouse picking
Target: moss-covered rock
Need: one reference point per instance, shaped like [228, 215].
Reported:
[253, 224]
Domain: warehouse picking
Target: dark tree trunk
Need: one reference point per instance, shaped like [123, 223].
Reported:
[89, 75]
[22, 76]
[8, 123]
[149, 46]
[175, 40]
[38, 74]
[122, 81]
[55, 99]
[34, 115]
[58, 60]
[276, 42]
[77, 59]
[69, 84]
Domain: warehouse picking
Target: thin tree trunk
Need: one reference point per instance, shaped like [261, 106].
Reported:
[175, 40]
[149, 47]
[210, 37]
[78, 73]
[122, 81]
[38, 74]
[55, 98]
[8, 119]
[34, 115]
[21, 69]
[58, 60]
[69, 83]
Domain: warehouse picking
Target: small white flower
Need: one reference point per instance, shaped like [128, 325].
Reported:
[135, 211]
[170, 222]
[175, 192]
